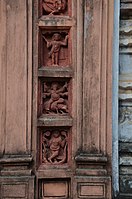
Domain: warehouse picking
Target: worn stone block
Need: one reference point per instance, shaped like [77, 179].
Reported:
[91, 190]
[17, 187]
[56, 188]
[14, 190]
[126, 185]
[92, 187]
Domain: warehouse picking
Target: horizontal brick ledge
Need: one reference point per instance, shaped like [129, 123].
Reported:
[15, 159]
[63, 21]
[125, 160]
[91, 158]
[55, 72]
[126, 10]
[48, 120]
[125, 147]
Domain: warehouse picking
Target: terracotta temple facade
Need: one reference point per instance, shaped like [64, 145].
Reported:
[56, 99]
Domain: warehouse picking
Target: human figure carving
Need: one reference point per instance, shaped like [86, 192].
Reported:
[57, 146]
[55, 45]
[54, 6]
[57, 102]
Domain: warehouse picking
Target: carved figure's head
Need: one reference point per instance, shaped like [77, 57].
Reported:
[56, 134]
[54, 86]
[56, 37]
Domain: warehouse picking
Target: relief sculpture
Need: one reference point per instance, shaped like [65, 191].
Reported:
[54, 6]
[125, 114]
[54, 45]
[125, 123]
[55, 98]
[54, 147]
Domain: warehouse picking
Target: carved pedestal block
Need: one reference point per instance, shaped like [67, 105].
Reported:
[16, 180]
[92, 179]
[92, 187]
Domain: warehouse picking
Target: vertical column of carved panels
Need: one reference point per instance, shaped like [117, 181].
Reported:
[55, 72]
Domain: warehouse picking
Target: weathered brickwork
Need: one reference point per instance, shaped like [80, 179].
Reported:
[125, 98]
[56, 99]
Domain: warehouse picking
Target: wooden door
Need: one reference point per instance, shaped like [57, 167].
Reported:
[56, 75]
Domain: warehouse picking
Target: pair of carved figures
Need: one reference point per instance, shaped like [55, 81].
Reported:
[54, 147]
[55, 98]
[54, 6]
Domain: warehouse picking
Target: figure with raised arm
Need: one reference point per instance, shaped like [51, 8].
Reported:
[55, 45]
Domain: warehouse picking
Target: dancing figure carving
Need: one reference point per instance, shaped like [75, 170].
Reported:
[54, 147]
[55, 98]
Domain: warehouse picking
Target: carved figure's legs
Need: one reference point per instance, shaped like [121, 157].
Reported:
[54, 154]
[49, 104]
[55, 58]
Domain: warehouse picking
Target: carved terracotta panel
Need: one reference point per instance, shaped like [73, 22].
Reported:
[54, 146]
[55, 47]
[54, 97]
[55, 7]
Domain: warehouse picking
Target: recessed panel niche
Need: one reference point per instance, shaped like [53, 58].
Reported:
[55, 48]
[54, 146]
[55, 188]
[54, 97]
